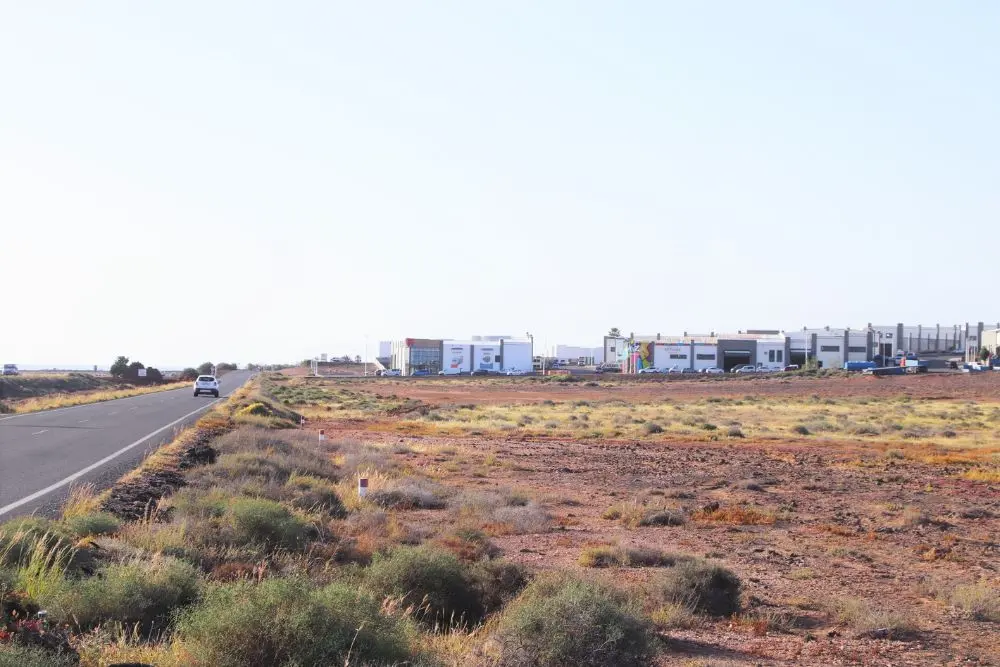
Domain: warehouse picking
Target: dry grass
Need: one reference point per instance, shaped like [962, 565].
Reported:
[54, 401]
[868, 620]
[609, 555]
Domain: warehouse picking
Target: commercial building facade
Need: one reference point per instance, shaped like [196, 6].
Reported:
[765, 349]
[453, 357]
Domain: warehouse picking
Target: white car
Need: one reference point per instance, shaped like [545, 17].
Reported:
[746, 368]
[513, 371]
[393, 372]
[206, 384]
[714, 370]
[649, 369]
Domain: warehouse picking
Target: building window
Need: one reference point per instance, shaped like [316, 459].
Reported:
[705, 357]
[779, 356]
[829, 348]
[770, 356]
[678, 356]
[858, 349]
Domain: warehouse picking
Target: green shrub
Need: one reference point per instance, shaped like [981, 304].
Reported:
[801, 429]
[703, 587]
[18, 655]
[95, 523]
[431, 580]
[143, 592]
[286, 622]
[652, 428]
[261, 521]
[559, 621]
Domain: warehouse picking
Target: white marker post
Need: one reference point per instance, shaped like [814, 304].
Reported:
[362, 487]
[322, 436]
[302, 422]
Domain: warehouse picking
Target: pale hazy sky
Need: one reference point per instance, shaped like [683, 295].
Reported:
[267, 181]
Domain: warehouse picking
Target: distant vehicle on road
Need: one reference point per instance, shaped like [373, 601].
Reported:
[745, 368]
[648, 369]
[712, 370]
[513, 371]
[686, 371]
[392, 372]
[10, 369]
[206, 384]
[419, 372]
[792, 367]
[481, 371]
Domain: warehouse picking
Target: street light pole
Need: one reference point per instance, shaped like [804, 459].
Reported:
[366, 355]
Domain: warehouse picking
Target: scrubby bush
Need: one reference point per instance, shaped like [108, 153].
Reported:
[315, 494]
[652, 428]
[134, 592]
[801, 429]
[19, 537]
[560, 621]
[430, 580]
[497, 582]
[256, 520]
[468, 544]
[702, 587]
[18, 655]
[95, 523]
[409, 494]
[979, 601]
[290, 622]
[872, 621]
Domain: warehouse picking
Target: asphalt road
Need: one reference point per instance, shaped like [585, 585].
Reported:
[43, 454]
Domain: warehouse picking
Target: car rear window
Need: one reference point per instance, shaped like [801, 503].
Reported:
[205, 378]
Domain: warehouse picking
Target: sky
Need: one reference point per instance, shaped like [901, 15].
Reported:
[264, 182]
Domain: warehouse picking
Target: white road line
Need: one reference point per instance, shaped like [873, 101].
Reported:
[44, 430]
[93, 466]
[83, 421]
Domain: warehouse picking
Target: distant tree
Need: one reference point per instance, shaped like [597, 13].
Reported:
[357, 358]
[306, 363]
[205, 368]
[346, 358]
[153, 375]
[615, 332]
[226, 367]
[189, 374]
[984, 353]
[132, 372]
[120, 367]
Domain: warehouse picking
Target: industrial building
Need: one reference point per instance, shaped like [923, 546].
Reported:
[765, 349]
[828, 347]
[453, 356]
[585, 356]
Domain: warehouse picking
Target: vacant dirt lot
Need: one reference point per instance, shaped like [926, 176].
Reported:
[863, 546]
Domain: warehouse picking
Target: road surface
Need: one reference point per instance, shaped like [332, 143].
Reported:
[43, 454]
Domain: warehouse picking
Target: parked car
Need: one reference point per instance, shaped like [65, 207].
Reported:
[687, 371]
[206, 384]
[674, 370]
[513, 371]
[745, 368]
[648, 369]
[792, 367]
[712, 370]
[392, 372]
[419, 372]
[10, 369]
[481, 371]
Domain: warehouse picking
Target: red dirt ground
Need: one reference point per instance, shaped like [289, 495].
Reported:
[840, 532]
